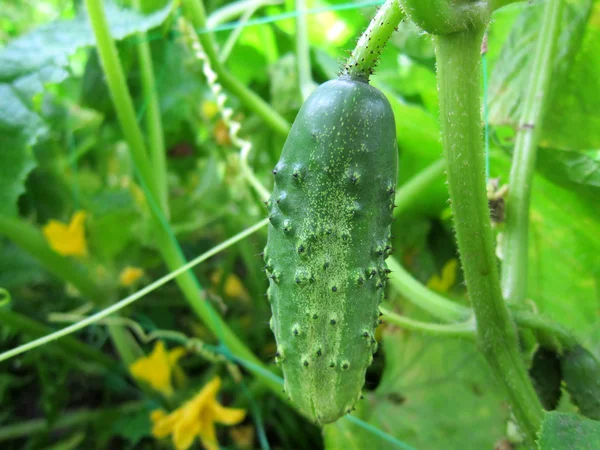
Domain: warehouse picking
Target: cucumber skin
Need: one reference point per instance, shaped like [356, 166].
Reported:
[331, 212]
[581, 373]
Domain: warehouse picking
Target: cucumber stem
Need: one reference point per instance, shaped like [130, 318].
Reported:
[458, 59]
[362, 61]
[515, 243]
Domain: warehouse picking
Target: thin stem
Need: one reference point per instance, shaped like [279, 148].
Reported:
[409, 193]
[458, 57]
[438, 306]
[154, 127]
[368, 49]
[234, 10]
[307, 84]
[132, 298]
[71, 345]
[67, 420]
[235, 33]
[539, 323]
[31, 240]
[197, 15]
[465, 329]
[515, 240]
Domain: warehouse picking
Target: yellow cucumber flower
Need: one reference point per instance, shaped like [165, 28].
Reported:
[233, 288]
[157, 368]
[67, 239]
[130, 275]
[448, 278]
[196, 418]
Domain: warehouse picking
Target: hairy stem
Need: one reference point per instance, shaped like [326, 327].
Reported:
[458, 57]
[154, 126]
[362, 61]
[447, 16]
[197, 15]
[515, 240]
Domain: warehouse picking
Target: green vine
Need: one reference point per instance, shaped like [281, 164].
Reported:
[515, 237]
[458, 57]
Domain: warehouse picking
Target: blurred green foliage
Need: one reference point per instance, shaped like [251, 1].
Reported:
[61, 150]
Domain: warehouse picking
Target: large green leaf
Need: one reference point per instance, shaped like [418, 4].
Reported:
[27, 65]
[577, 170]
[572, 116]
[54, 42]
[435, 393]
[568, 431]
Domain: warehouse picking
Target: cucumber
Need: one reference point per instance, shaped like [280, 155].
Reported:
[329, 234]
[581, 372]
[546, 375]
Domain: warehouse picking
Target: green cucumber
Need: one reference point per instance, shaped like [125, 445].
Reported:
[329, 234]
[581, 372]
[546, 375]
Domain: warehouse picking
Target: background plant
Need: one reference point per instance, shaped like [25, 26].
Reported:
[63, 151]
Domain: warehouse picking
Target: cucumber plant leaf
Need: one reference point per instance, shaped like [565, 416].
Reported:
[566, 431]
[27, 65]
[576, 170]
[435, 393]
[572, 117]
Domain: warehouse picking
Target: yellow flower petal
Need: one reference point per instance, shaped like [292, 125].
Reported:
[228, 416]
[175, 354]
[67, 239]
[154, 369]
[185, 432]
[208, 437]
[129, 275]
[196, 417]
[209, 109]
[164, 424]
[448, 278]
[233, 288]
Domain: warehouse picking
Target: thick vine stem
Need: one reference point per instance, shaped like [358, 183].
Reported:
[363, 59]
[515, 239]
[459, 86]
[447, 16]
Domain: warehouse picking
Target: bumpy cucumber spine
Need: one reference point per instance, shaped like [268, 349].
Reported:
[581, 373]
[329, 234]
